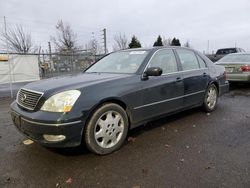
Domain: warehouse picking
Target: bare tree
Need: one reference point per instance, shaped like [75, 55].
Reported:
[66, 39]
[121, 42]
[16, 39]
[94, 47]
[187, 44]
[167, 42]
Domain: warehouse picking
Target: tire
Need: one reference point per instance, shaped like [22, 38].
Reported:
[210, 99]
[107, 129]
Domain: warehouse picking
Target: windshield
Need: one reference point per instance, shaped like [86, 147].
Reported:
[120, 62]
[236, 58]
[226, 51]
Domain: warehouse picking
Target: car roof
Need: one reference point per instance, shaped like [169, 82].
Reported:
[156, 48]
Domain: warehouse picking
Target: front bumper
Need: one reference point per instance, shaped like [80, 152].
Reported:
[34, 126]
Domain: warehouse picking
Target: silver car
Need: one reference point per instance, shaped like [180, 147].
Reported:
[237, 66]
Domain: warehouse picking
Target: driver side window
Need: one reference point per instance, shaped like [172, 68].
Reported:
[165, 59]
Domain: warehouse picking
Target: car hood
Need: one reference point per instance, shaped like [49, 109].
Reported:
[73, 81]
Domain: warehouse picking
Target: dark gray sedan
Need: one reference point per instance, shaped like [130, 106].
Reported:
[121, 91]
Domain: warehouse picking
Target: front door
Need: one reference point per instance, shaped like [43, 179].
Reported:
[162, 94]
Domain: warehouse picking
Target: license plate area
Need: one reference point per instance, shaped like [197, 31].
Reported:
[16, 119]
[229, 69]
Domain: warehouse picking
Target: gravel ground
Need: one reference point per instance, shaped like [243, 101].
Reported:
[189, 149]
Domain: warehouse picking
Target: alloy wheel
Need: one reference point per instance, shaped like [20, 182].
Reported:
[109, 129]
[211, 97]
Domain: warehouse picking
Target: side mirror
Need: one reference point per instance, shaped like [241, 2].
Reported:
[152, 71]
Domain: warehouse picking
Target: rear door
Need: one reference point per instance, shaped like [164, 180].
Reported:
[162, 94]
[195, 77]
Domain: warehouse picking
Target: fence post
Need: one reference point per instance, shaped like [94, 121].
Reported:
[10, 68]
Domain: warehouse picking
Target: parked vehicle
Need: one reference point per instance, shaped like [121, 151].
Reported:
[64, 67]
[237, 67]
[222, 52]
[121, 91]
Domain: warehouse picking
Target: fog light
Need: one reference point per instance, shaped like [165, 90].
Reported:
[53, 138]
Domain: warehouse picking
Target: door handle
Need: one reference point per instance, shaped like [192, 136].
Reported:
[179, 79]
[204, 74]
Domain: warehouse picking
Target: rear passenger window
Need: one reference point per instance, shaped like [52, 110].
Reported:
[201, 62]
[165, 59]
[188, 59]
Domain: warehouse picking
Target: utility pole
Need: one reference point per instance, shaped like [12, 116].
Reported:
[208, 47]
[8, 55]
[49, 49]
[105, 40]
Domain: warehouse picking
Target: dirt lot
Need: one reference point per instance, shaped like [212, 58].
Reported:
[190, 149]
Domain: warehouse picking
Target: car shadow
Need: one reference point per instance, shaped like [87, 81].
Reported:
[162, 121]
[239, 89]
[243, 86]
[72, 151]
[133, 133]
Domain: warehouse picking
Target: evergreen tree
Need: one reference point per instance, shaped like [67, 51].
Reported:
[135, 43]
[158, 42]
[175, 42]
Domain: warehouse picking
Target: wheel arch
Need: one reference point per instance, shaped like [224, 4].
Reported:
[114, 100]
[216, 85]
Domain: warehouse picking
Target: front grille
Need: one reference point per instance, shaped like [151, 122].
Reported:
[28, 99]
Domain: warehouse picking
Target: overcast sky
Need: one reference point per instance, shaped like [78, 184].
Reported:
[224, 23]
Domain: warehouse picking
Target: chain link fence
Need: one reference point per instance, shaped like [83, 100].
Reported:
[17, 70]
[63, 64]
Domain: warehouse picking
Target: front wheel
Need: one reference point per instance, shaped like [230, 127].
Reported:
[107, 129]
[211, 98]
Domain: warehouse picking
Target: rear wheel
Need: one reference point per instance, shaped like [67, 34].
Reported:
[107, 129]
[211, 98]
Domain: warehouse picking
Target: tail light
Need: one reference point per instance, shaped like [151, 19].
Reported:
[245, 68]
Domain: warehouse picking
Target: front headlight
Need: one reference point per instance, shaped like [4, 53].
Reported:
[61, 102]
